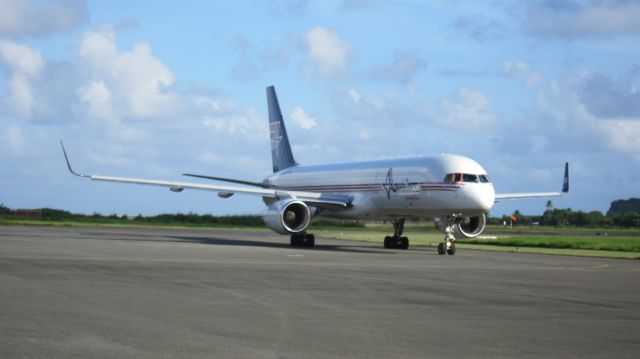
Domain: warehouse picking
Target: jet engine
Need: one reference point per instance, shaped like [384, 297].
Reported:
[287, 216]
[468, 227]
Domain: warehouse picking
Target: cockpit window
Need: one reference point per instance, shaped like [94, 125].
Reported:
[469, 178]
[465, 177]
[453, 177]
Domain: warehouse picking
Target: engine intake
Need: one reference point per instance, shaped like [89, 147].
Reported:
[287, 216]
[471, 226]
[468, 227]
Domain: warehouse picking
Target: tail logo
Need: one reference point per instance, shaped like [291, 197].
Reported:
[276, 134]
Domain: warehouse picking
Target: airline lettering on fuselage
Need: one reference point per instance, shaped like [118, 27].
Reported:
[400, 187]
[276, 134]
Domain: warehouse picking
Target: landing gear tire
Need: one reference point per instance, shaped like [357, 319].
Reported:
[403, 243]
[441, 250]
[309, 240]
[397, 241]
[302, 240]
[452, 249]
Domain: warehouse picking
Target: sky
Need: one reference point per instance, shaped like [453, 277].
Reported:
[152, 89]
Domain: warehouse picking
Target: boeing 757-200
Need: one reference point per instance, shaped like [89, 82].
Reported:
[455, 190]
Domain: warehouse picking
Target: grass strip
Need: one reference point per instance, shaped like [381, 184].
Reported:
[623, 244]
[553, 251]
[609, 247]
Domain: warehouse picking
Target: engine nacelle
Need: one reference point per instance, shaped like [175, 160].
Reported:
[287, 216]
[468, 227]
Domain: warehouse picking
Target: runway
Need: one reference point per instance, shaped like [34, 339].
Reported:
[173, 293]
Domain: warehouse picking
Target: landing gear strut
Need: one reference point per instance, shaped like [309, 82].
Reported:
[397, 241]
[302, 239]
[448, 246]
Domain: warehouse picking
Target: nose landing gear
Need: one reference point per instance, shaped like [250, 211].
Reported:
[448, 246]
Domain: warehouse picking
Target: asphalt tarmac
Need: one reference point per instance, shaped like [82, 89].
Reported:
[176, 293]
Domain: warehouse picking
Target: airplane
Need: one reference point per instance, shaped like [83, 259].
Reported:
[454, 190]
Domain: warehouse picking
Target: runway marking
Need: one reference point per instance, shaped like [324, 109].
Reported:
[598, 266]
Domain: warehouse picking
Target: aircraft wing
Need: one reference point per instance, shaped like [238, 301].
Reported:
[528, 195]
[565, 190]
[311, 198]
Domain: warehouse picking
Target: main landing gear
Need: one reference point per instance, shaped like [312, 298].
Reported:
[303, 239]
[448, 246]
[397, 241]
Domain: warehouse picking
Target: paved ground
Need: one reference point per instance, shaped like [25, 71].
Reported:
[165, 293]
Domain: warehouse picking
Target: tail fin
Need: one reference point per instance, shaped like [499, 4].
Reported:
[281, 154]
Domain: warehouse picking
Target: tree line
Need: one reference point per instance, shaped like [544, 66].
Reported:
[189, 219]
[568, 217]
[551, 217]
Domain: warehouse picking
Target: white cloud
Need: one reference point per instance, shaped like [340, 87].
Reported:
[103, 83]
[354, 95]
[623, 136]
[12, 141]
[606, 97]
[20, 58]
[140, 84]
[23, 64]
[521, 71]
[244, 69]
[19, 96]
[591, 18]
[467, 110]
[327, 50]
[357, 5]
[405, 65]
[479, 28]
[97, 98]
[246, 123]
[210, 158]
[38, 18]
[214, 104]
[300, 118]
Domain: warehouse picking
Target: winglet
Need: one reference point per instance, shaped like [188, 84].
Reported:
[565, 182]
[69, 164]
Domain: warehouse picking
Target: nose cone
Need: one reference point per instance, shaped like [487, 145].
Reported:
[483, 197]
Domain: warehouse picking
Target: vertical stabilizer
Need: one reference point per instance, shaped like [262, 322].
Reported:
[281, 154]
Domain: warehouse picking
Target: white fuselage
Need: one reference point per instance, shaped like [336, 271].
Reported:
[419, 186]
